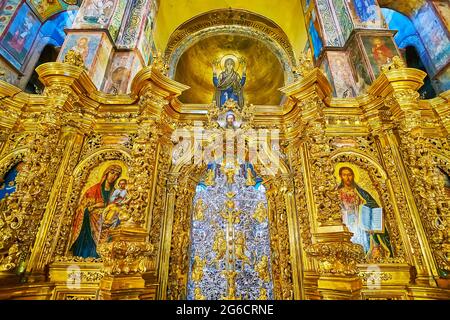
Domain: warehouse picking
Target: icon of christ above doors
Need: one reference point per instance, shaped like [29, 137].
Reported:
[362, 212]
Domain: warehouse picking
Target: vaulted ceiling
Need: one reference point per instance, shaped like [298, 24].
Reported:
[288, 14]
[407, 7]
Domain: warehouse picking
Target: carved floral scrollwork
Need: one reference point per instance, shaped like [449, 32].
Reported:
[300, 198]
[427, 160]
[337, 258]
[279, 239]
[325, 193]
[402, 205]
[158, 201]
[144, 155]
[124, 257]
[179, 259]
[26, 206]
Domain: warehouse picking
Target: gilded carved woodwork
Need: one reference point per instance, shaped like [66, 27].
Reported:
[391, 134]
[179, 260]
[278, 225]
[426, 157]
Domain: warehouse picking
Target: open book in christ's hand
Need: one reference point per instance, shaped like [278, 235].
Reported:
[372, 219]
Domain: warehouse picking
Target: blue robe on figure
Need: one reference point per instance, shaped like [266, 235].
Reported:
[315, 39]
[380, 239]
[364, 9]
[229, 86]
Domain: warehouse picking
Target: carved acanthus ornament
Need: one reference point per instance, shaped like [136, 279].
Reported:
[160, 64]
[305, 65]
[425, 169]
[124, 255]
[74, 58]
[337, 257]
[27, 205]
[324, 186]
[404, 106]
[396, 63]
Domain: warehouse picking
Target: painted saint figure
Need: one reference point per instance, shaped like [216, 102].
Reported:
[229, 84]
[21, 35]
[366, 10]
[98, 11]
[88, 223]
[316, 40]
[230, 122]
[353, 198]
[82, 47]
[382, 54]
[8, 182]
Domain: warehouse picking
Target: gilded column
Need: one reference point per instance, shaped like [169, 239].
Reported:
[331, 247]
[284, 239]
[401, 146]
[174, 275]
[30, 208]
[11, 104]
[124, 276]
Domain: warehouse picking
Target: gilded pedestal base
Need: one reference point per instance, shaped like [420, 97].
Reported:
[124, 263]
[122, 287]
[339, 288]
[337, 257]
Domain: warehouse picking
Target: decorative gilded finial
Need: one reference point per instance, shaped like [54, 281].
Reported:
[212, 116]
[231, 105]
[160, 63]
[74, 58]
[305, 64]
[396, 63]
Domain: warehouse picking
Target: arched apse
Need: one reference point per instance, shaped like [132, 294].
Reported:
[415, 53]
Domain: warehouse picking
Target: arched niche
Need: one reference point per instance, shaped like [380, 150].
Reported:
[196, 43]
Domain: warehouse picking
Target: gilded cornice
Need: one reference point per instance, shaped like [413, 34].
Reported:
[311, 83]
[68, 75]
[398, 79]
[150, 78]
[441, 105]
[118, 113]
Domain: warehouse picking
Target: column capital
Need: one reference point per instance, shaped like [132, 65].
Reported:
[398, 86]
